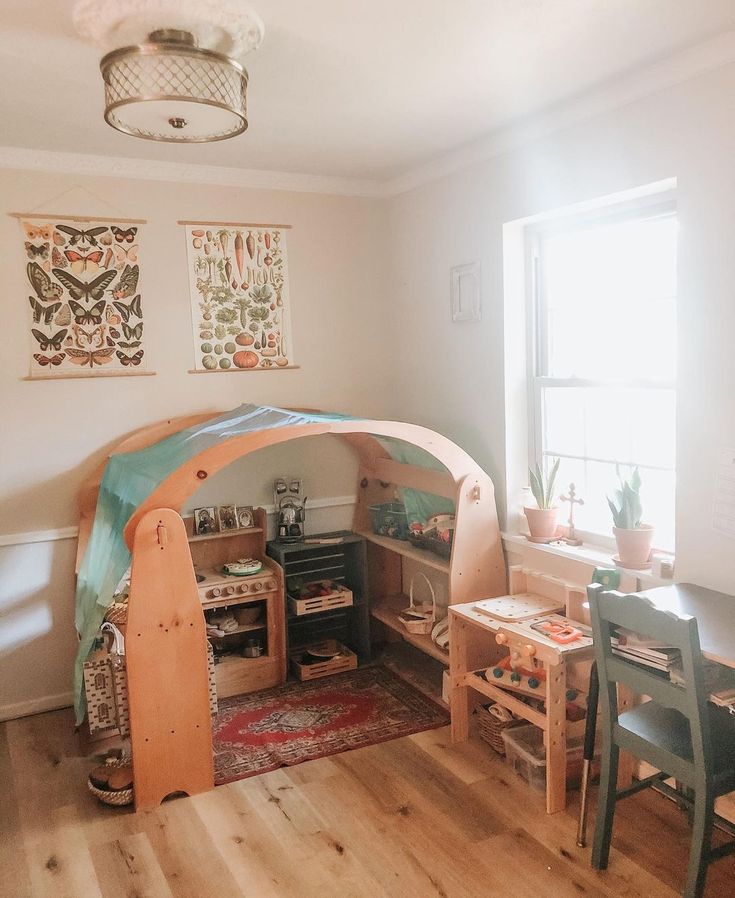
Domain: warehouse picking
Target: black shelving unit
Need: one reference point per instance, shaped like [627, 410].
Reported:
[344, 562]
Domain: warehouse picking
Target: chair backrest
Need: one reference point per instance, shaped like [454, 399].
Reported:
[611, 610]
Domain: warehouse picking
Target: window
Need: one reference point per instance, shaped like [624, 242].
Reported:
[604, 358]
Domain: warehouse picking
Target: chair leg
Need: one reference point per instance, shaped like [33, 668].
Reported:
[704, 807]
[606, 807]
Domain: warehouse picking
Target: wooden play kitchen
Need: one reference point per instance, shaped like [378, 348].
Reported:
[166, 635]
[516, 650]
[256, 600]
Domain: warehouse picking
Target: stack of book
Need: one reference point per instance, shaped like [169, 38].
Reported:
[665, 661]
[650, 653]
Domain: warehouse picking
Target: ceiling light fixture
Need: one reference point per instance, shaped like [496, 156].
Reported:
[171, 71]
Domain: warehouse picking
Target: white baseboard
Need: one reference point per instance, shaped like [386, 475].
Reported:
[36, 706]
[48, 536]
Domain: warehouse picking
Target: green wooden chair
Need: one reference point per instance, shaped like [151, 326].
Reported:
[678, 731]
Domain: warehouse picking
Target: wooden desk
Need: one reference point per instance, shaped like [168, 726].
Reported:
[473, 647]
[714, 612]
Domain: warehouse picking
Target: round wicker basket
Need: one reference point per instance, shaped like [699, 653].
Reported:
[491, 728]
[119, 798]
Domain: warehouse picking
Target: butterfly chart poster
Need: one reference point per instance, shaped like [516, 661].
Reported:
[238, 279]
[84, 298]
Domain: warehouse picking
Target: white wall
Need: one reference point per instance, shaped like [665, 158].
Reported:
[372, 334]
[454, 373]
[54, 433]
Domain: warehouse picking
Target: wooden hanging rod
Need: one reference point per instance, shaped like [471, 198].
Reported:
[235, 224]
[81, 219]
[241, 370]
[71, 376]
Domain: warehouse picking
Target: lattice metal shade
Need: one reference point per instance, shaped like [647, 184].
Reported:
[171, 90]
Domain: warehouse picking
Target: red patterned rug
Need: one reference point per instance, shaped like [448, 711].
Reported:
[301, 721]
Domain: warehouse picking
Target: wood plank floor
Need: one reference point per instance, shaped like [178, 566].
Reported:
[413, 818]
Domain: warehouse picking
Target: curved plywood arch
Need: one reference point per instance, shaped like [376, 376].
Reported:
[138, 439]
[163, 603]
[477, 566]
[175, 489]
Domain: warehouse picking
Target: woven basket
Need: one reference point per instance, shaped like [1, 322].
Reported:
[416, 618]
[117, 799]
[491, 729]
[117, 613]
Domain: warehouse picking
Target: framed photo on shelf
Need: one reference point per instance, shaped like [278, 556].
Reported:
[227, 518]
[245, 517]
[204, 521]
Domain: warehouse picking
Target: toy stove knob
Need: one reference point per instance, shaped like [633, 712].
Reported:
[257, 586]
[244, 587]
[271, 584]
[501, 639]
[229, 590]
[213, 593]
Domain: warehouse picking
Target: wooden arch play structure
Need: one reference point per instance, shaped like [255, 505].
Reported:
[166, 647]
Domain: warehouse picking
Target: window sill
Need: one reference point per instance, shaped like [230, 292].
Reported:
[595, 556]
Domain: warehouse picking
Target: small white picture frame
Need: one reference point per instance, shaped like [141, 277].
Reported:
[245, 517]
[466, 301]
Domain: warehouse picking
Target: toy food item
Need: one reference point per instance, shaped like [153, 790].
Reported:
[298, 589]
[243, 567]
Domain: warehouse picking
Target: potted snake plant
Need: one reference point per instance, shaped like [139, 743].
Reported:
[633, 538]
[542, 518]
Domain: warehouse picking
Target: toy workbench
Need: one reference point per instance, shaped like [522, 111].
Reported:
[515, 650]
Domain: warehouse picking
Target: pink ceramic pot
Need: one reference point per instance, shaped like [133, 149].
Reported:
[541, 522]
[634, 546]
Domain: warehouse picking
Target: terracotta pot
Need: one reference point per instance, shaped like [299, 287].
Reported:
[634, 546]
[541, 522]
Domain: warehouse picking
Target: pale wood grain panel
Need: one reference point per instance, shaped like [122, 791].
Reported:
[166, 659]
[413, 818]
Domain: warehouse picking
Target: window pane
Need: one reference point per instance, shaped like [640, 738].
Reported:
[608, 295]
[607, 315]
[594, 481]
[614, 424]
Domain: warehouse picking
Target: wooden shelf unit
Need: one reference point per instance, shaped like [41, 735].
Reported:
[475, 568]
[386, 610]
[245, 628]
[406, 550]
[220, 534]
[343, 562]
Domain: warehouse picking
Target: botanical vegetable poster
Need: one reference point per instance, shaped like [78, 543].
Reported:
[83, 297]
[238, 277]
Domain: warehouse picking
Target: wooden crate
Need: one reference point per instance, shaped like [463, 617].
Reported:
[347, 660]
[340, 598]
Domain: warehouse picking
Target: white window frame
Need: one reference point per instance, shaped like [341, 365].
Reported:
[655, 205]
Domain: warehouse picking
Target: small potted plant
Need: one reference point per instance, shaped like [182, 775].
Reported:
[633, 538]
[542, 519]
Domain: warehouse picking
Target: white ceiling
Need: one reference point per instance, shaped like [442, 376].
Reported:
[355, 89]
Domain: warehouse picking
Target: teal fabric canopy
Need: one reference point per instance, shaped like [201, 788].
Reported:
[130, 477]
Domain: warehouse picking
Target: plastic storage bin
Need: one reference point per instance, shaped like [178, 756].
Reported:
[389, 519]
[526, 754]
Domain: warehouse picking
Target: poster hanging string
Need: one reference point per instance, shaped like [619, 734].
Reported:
[33, 213]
